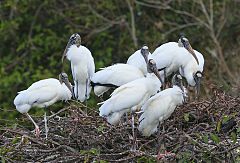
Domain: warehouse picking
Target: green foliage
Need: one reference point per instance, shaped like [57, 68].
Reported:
[234, 137]
[146, 159]
[215, 138]
[88, 153]
[34, 34]
[186, 117]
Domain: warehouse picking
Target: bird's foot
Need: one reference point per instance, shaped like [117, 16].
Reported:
[165, 155]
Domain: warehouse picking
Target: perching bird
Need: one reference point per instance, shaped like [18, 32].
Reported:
[117, 75]
[173, 57]
[139, 59]
[131, 95]
[113, 77]
[82, 65]
[160, 106]
[43, 94]
[192, 71]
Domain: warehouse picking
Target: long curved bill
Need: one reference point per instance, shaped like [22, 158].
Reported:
[159, 77]
[67, 83]
[64, 54]
[190, 49]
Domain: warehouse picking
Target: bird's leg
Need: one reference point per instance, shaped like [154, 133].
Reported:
[45, 120]
[133, 133]
[165, 78]
[125, 119]
[74, 97]
[86, 91]
[163, 124]
[77, 90]
[37, 130]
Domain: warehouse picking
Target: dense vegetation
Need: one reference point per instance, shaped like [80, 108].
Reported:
[34, 34]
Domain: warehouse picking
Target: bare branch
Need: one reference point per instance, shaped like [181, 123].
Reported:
[156, 6]
[133, 31]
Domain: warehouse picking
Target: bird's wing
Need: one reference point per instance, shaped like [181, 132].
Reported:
[91, 67]
[128, 86]
[117, 74]
[200, 59]
[124, 97]
[42, 83]
[41, 97]
[138, 61]
[89, 60]
[73, 72]
[44, 96]
[156, 108]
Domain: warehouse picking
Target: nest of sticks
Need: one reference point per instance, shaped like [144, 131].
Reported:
[207, 130]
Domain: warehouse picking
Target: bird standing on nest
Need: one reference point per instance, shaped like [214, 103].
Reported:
[82, 66]
[160, 106]
[43, 94]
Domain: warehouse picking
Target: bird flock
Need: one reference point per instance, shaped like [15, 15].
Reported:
[141, 85]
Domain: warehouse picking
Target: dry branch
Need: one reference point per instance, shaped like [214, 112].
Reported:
[190, 134]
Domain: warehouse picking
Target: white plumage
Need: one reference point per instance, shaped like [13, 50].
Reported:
[130, 95]
[138, 60]
[159, 108]
[172, 57]
[119, 74]
[115, 75]
[190, 70]
[43, 94]
[82, 66]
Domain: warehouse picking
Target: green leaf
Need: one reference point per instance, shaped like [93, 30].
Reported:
[219, 123]
[186, 117]
[15, 140]
[238, 130]
[225, 119]
[205, 139]
[215, 138]
[92, 151]
[234, 137]
[3, 160]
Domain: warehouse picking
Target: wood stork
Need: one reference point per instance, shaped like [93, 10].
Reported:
[173, 57]
[160, 106]
[42, 94]
[139, 59]
[117, 75]
[82, 65]
[131, 95]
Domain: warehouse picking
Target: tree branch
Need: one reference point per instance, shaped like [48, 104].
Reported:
[133, 31]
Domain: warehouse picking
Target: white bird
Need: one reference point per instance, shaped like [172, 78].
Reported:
[82, 66]
[160, 107]
[173, 57]
[43, 94]
[117, 75]
[131, 95]
[113, 77]
[139, 59]
[193, 72]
